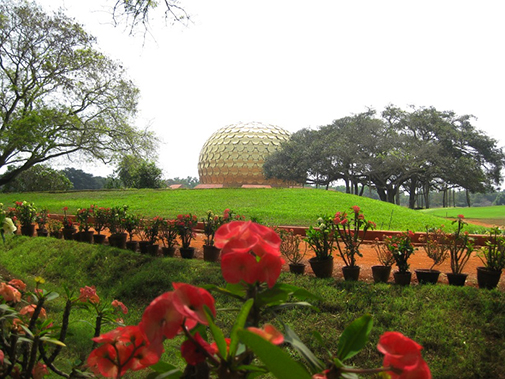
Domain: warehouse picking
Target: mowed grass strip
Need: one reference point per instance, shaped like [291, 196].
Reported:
[276, 206]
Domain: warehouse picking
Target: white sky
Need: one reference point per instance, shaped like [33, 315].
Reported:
[300, 64]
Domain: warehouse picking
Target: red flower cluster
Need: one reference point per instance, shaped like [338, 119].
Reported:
[140, 346]
[122, 349]
[250, 253]
[88, 294]
[404, 356]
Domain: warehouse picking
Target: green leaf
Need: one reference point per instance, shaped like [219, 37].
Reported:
[239, 324]
[233, 290]
[217, 334]
[164, 370]
[278, 361]
[299, 293]
[52, 295]
[354, 337]
[272, 296]
[315, 364]
[53, 341]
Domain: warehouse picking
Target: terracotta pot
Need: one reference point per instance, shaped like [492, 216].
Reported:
[56, 234]
[211, 253]
[381, 273]
[152, 249]
[487, 278]
[168, 251]
[187, 252]
[28, 230]
[118, 240]
[351, 273]
[143, 247]
[425, 276]
[86, 236]
[42, 232]
[99, 239]
[68, 233]
[297, 268]
[402, 278]
[456, 279]
[322, 269]
[132, 245]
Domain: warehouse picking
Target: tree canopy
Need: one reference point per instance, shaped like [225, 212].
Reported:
[59, 95]
[416, 151]
[38, 178]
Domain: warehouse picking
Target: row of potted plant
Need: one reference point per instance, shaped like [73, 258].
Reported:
[342, 233]
[345, 232]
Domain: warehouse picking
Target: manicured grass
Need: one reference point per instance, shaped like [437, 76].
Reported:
[496, 212]
[462, 329]
[278, 206]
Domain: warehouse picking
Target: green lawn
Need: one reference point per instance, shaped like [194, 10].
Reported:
[296, 207]
[494, 214]
[462, 330]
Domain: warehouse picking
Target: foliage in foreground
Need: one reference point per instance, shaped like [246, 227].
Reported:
[276, 206]
[462, 330]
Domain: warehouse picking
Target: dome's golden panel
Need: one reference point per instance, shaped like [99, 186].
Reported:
[234, 155]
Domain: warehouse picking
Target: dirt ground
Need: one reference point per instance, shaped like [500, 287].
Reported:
[418, 261]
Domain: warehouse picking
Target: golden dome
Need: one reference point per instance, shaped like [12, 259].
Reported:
[234, 155]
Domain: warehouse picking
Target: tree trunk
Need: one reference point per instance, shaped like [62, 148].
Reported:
[426, 193]
[468, 198]
[412, 193]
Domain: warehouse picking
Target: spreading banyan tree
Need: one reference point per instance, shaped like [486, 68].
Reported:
[234, 155]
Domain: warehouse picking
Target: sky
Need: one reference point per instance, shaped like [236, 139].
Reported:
[301, 64]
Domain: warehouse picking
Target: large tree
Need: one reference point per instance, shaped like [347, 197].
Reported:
[59, 95]
[39, 178]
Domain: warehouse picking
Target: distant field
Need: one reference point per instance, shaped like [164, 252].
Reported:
[494, 215]
[297, 207]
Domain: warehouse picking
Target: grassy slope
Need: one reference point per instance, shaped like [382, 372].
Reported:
[272, 206]
[462, 329]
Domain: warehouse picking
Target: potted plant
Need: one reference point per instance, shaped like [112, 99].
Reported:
[382, 272]
[348, 231]
[115, 224]
[6, 224]
[435, 245]
[290, 249]
[131, 224]
[152, 230]
[321, 240]
[83, 217]
[168, 236]
[185, 224]
[460, 247]
[54, 227]
[102, 216]
[41, 220]
[492, 256]
[25, 213]
[401, 248]
[68, 226]
[211, 223]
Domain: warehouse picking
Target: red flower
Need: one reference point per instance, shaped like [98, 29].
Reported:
[117, 303]
[243, 237]
[239, 266]
[269, 269]
[404, 354]
[194, 353]
[355, 208]
[30, 309]
[161, 319]
[19, 284]
[39, 371]
[270, 333]
[126, 348]
[189, 301]
[88, 294]
[461, 216]
[9, 293]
